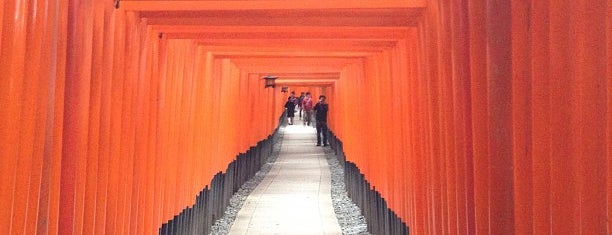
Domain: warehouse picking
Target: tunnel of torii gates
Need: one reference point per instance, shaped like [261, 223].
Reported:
[466, 116]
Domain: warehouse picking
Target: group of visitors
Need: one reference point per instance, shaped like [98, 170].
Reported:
[305, 103]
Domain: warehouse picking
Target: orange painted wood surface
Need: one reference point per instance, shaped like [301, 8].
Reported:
[468, 116]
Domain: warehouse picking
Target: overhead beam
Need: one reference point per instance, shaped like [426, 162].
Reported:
[299, 63]
[288, 54]
[298, 82]
[292, 46]
[307, 76]
[267, 5]
[276, 32]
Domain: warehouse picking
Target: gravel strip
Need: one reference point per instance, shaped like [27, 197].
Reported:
[223, 225]
[348, 214]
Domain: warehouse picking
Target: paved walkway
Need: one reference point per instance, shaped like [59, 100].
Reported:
[295, 196]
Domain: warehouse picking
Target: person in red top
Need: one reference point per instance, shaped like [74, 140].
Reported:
[307, 106]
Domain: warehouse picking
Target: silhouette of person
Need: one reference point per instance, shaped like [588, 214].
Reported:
[321, 109]
[290, 106]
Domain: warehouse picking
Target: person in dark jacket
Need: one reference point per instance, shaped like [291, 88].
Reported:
[321, 109]
[290, 106]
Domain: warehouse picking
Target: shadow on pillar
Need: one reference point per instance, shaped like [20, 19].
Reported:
[380, 218]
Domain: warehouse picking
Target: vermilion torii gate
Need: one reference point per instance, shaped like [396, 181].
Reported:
[467, 116]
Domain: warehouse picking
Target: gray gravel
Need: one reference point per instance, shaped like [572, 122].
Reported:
[223, 225]
[348, 214]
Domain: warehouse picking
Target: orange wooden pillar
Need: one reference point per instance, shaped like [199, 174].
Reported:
[479, 106]
[462, 118]
[609, 107]
[499, 81]
[521, 119]
[13, 57]
[115, 113]
[590, 71]
[430, 85]
[74, 149]
[541, 130]
[95, 118]
[447, 166]
[418, 168]
[148, 88]
[563, 121]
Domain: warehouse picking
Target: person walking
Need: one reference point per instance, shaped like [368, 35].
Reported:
[290, 106]
[307, 105]
[321, 109]
[299, 104]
